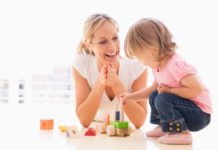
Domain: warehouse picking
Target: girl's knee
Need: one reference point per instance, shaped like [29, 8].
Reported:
[152, 97]
[165, 95]
[163, 99]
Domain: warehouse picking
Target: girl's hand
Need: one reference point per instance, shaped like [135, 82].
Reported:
[163, 88]
[124, 97]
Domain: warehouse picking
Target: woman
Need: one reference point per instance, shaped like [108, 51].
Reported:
[100, 74]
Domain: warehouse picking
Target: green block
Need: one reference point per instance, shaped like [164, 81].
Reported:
[120, 125]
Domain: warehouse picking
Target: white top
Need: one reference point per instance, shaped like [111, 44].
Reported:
[129, 71]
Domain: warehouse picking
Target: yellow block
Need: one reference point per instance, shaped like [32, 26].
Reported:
[63, 128]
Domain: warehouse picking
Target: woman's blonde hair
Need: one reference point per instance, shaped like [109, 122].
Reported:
[149, 32]
[91, 24]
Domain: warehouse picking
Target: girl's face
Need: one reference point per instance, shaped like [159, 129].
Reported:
[106, 44]
[146, 56]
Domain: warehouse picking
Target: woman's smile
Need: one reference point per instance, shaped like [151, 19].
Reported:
[111, 56]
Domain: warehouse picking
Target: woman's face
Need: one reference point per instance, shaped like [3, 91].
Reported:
[105, 43]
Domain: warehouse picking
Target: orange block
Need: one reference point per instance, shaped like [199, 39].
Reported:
[46, 124]
[107, 119]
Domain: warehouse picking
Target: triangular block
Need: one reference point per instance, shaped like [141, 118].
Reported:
[90, 132]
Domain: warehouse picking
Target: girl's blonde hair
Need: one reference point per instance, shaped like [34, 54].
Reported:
[91, 24]
[149, 32]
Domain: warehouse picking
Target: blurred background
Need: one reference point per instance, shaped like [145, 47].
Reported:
[38, 39]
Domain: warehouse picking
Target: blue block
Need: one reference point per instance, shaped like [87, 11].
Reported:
[117, 116]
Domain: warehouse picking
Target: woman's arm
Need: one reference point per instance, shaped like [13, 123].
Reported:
[137, 111]
[87, 100]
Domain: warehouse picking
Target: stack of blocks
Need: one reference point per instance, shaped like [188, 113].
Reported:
[117, 128]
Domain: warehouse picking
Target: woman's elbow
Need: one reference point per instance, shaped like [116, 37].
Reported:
[84, 123]
[139, 124]
[83, 120]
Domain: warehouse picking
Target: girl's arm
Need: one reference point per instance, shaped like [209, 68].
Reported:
[137, 110]
[191, 87]
[140, 94]
[87, 100]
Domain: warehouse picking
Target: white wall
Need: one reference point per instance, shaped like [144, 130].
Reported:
[38, 34]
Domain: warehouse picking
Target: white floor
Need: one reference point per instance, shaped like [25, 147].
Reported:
[19, 129]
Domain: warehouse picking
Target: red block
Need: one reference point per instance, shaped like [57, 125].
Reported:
[90, 132]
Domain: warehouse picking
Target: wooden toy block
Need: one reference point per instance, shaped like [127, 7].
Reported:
[107, 119]
[46, 124]
[121, 111]
[122, 132]
[130, 130]
[72, 131]
[120, 125]
[90, 132]
[63, 128]
[111, 131]
[96, 129]
[117, 115]
[102, 127]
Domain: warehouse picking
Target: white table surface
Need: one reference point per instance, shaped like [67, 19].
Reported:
[20, 130]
